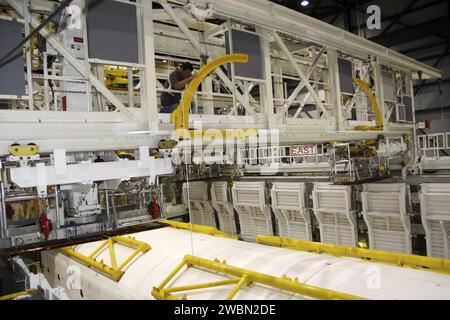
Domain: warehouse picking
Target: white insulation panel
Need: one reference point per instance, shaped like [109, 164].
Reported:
[169, 246]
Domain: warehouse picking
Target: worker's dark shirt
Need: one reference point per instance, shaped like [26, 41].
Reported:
[170, 98]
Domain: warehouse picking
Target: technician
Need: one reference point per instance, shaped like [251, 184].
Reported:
[178, 80]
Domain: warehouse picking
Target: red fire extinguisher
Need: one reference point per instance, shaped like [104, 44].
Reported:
[153, 209]
[46, 225]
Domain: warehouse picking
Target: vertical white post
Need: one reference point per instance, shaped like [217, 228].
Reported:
[266, 89]
[149, 97]
[414, 152]
[87, 65]
[130, 87]
[379, 94]
[336, 87]
[278, 85]
[26, 14]
[46, 97]
[208, 104]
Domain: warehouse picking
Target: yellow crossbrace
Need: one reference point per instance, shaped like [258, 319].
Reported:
[400, 259]
[198, 229]
[181, 114]
[113, 272]
[17, 294]
[240, 277]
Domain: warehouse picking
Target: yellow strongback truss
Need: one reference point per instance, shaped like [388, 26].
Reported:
[399, 259]
[181, 114]
[113, 272]
[240, 277]
[197, 229]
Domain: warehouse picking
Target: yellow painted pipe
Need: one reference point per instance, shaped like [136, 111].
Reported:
[414, 261]
[180, 116]
[283, 283]
[112, 254]
[171, 275]
[197, 229]
[17, 294]
[203, 285]
[373, 103]
[236, 289]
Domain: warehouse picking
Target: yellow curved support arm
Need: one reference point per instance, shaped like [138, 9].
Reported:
[373, 103]
[181, 114]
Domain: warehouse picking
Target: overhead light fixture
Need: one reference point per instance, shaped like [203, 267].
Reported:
[164, 61]
[304, 3]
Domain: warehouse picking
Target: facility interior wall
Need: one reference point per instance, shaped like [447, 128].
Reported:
[429, 103]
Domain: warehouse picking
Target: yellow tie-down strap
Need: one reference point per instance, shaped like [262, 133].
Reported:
[181, 114]
[198, 229]
[113, 271]
[392, 258]
[239, 278]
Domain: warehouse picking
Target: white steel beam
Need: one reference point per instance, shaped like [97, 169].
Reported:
[42, 176]
[301, 85]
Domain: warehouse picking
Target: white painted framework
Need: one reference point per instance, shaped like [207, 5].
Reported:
[316, 72]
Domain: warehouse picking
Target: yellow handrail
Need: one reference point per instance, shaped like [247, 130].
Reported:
[373, 103]
[407, 260]
[241, 277]
[180, 116]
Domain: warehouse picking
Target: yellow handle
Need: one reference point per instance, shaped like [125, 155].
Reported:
[180, 116]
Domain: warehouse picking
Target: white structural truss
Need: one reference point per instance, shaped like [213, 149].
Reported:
[195, 198]
[249, 200]
[333, 209]
[221, 201]
[435, 209]
[290, 209]
[385, 210]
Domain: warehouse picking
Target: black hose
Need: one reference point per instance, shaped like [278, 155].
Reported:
[56, 12]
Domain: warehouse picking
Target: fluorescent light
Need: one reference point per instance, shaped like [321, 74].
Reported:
[304, 3]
